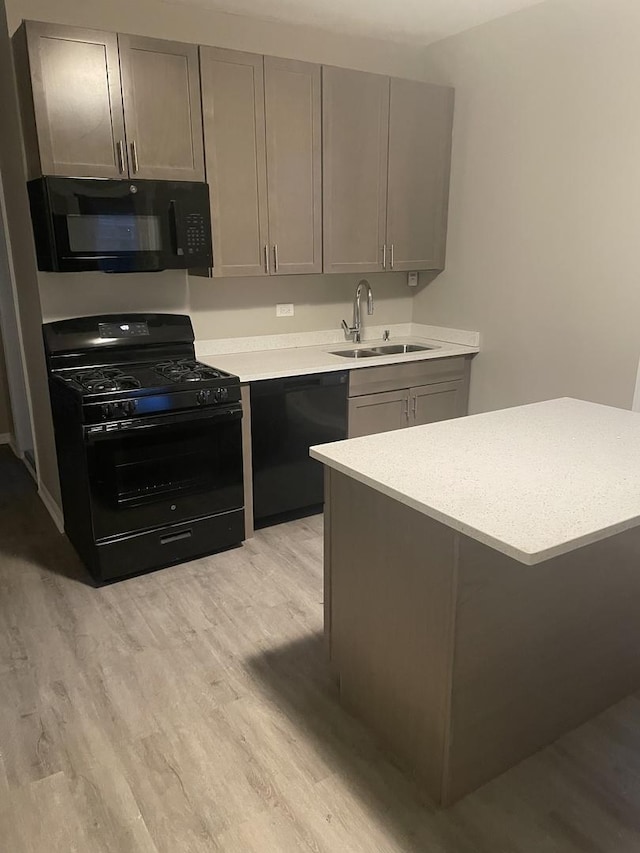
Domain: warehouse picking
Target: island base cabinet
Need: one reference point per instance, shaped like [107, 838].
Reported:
[463, 660]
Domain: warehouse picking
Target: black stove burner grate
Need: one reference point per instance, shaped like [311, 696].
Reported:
[186, 370]
[105, 379]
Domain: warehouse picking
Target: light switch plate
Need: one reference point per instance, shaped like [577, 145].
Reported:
[285, 309]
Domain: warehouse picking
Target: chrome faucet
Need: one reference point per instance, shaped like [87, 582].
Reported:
[356, 329]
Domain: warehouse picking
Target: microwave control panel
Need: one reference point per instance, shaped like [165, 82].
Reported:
[197, 242]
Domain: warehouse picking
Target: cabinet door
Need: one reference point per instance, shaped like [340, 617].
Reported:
[294, 182]
[378, 413]
[439, 402]
[161, 91]
[355, 147]
[420, 124]
[234, 133]
[75, 81]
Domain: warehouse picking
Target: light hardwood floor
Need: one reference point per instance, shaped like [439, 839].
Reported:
[192, 710]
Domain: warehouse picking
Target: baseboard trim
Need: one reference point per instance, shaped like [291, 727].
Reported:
[52, 507]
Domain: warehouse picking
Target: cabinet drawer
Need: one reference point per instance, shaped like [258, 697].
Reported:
[373, 380]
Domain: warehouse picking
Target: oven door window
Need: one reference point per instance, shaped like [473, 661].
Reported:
[165, 473]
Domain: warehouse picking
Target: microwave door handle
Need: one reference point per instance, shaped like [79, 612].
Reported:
[175, 228]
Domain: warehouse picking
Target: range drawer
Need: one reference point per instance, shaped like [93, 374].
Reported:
[168, 545]
[372, 380]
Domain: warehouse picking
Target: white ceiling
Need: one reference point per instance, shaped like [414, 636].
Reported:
[415, 21]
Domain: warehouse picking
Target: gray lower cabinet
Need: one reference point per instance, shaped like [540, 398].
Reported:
[378, 413]
[95, 104]
[410, 394]
[438, 402]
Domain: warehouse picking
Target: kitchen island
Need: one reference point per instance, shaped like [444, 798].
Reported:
[482, 582]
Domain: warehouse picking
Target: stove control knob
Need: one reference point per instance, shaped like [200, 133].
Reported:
[107, 411]
[129, 407]
[203, 396]
[221, 394]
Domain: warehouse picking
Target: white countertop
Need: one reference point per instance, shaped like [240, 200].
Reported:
[532, 482]
[296, 355]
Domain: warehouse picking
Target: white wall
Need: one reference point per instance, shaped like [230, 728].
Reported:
[544, 224]
[229, 307]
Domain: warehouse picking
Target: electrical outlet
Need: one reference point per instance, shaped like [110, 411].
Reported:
[412, 279]
[285, 309]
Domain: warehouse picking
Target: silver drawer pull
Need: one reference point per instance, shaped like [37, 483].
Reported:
[176, 537]
[266, 258]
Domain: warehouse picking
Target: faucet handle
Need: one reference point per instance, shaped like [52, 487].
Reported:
[347, 328]
[385, 335]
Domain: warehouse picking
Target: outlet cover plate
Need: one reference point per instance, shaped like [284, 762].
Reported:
[285, 309]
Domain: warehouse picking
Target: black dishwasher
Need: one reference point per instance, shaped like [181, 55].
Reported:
[288, 416]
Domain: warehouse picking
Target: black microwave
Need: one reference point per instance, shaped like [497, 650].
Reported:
[83, 224]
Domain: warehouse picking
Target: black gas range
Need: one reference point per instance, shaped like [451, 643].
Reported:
[149, 443]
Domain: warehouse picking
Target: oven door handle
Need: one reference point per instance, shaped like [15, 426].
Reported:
[102, 432]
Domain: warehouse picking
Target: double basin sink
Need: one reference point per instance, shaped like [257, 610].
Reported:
[386, 349]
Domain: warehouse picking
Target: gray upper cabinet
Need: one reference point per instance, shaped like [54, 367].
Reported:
[234, 132]
[420, 124]
[294, 164]
[355, 157]
[72, 104]
[263, 153]
[99, 105]
[387, 150]
[163, 113]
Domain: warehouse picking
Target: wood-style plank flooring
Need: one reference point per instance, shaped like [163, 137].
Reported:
[191, 710]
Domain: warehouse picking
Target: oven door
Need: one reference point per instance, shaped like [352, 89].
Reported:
[125, 226]
[164, 469]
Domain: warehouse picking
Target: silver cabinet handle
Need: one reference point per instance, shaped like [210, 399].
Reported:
[384, 257]
[134, 157]
[406, 409]
[391, 256]
[414, 407]
[266, 258]
[275, 257]
[120, 154]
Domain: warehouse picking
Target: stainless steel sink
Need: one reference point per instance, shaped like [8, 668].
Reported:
[396, 349]
[387, 349]
[355, 353]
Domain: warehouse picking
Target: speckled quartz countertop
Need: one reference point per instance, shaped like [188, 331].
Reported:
[278, 356]
[532, 482]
